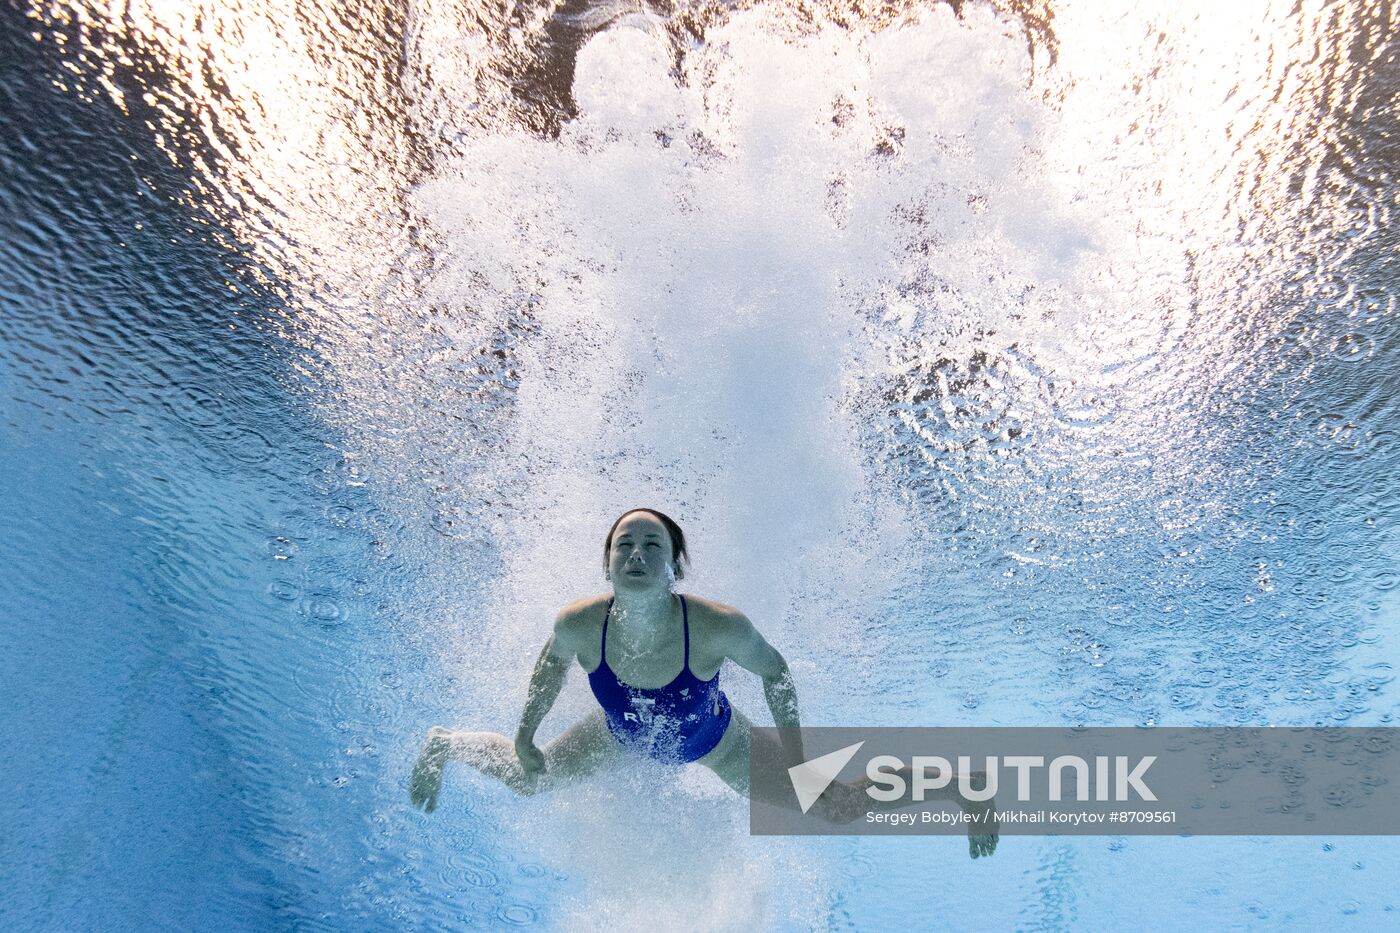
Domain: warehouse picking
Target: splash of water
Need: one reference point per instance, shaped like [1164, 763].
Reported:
[704, 267]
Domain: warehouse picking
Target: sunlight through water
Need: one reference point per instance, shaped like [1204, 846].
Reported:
[1018, 365]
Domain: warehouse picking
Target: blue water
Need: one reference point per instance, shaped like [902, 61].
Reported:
[330, 346]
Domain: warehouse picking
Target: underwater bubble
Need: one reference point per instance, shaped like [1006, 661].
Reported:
[1353, 347]
[518, 914]
[246, 446]
[194, 406]
[450, 522]
[284, 590]
[859, 866]
[321, 608]
[281, 547]
[462, 858]
[1315, 529]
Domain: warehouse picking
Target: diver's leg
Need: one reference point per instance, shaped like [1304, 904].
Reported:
[730, 760]
[488, 752]
[841, 802]
[983, 828]
[740, 745]
[584, 747]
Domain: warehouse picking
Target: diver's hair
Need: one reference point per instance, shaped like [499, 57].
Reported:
[678, 552]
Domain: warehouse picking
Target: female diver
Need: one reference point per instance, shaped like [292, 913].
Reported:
[629, 644]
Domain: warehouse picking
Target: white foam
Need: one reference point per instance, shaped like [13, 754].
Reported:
[701, 257]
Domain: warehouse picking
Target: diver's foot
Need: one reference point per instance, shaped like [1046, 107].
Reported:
[983, 827]
[982, 835]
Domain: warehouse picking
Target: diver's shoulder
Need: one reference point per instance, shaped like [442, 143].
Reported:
[714, 612]
[578, 622]
[582, 611]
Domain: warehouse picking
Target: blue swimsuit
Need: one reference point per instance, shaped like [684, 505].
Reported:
[679, 722]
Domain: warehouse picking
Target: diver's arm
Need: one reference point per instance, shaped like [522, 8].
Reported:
[751, 651]
[547, 680]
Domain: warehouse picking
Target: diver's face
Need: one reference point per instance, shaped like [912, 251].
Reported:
[640, 556]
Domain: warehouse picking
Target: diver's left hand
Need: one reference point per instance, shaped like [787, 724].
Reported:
[426, 780]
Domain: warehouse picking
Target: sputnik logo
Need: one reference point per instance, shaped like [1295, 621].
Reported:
[812, 777]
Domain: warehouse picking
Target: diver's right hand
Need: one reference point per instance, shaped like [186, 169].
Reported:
[426, 781]
[531, 758]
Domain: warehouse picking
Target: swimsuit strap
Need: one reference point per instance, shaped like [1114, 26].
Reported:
[685, 623]
[603, 655]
